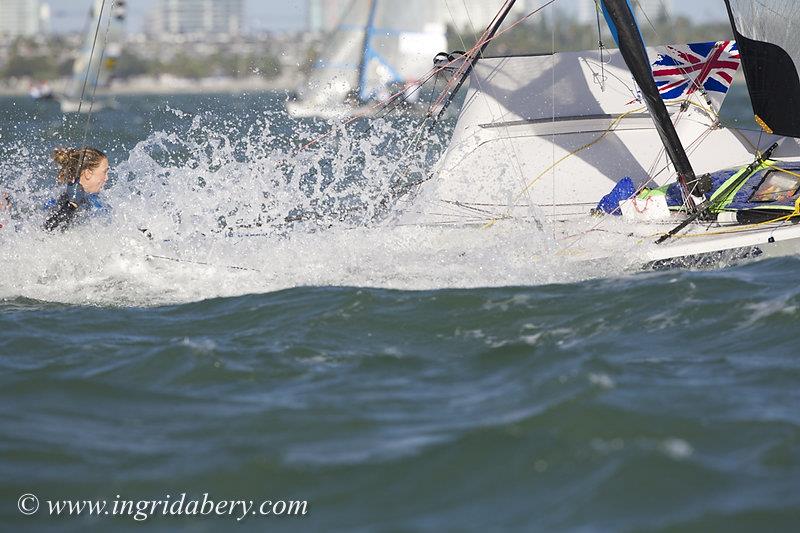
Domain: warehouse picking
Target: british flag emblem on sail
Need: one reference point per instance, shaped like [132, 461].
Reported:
[683, 70]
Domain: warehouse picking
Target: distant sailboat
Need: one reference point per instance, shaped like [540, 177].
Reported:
[543, 138]
[377, 47]
[97, 57]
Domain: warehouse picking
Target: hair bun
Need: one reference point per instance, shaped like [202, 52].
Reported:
[73, 161]
[62, 156]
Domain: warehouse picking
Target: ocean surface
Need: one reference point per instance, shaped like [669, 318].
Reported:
[244, 329]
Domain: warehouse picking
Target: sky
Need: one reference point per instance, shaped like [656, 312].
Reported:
[69, 15]
[279, 15]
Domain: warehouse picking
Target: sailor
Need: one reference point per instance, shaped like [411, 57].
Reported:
[84, 171]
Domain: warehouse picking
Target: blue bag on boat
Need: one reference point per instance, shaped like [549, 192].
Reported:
[623, 190]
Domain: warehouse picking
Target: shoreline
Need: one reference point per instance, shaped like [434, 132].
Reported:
[166, 85]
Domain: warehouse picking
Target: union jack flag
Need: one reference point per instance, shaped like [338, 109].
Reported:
[685, 69]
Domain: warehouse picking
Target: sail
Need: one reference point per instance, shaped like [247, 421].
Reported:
[769, 43]
[335, 73]
[100, 64]
[555, 132]
[400, 44]
[376, 44]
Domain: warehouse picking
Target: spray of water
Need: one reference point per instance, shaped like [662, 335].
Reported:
[225, 206]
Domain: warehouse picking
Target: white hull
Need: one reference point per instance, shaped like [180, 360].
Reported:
[634, 245]
[699, 246]
[300, 109]
[74, 106]
[743, 243]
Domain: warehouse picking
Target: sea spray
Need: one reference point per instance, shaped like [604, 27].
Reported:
[228, 202]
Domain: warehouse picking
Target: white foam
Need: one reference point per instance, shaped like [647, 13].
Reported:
[182, 186]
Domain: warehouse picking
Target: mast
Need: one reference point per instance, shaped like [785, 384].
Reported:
[623, 25]
[491, 31]
[362, 72]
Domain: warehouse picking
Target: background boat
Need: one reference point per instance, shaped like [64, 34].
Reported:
[378, 47]
[97, 58]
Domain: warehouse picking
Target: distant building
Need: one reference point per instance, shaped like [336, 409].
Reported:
[324, 15]
[20, 18]
[45, 16]
[199, 17]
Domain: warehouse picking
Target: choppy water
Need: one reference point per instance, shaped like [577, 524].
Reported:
[397, 380]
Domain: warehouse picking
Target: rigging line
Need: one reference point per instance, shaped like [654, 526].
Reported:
[697, 142]
[465, 215]
[484, 204]
[459, 209]
[84, 31]
[600, 45]
[760, 136]
[91, 54]
[412, 144]
[94, 89]
[189, 262]
[469, 18]
[647, 18]
[663, 149]
[453, 20]
[433, 72]
[433, 94]
[470, 56]
[467, 206]
[394, 100]
[608, 130]
[690, 149]
[680, 115]
[508, 143]
[425, 78]
[485, 39]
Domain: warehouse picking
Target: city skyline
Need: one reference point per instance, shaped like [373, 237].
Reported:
[293, 15]
[219, 17]
[21, 17]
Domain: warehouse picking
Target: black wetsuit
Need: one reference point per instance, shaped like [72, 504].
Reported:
[72, 205]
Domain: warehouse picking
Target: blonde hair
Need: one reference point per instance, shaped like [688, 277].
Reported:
[73, 161]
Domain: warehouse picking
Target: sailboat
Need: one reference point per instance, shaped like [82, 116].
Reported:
[541, 139]
[97, 57]
[378, 46]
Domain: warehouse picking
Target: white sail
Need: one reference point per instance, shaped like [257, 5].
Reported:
[401, 44]
[335, 73]
[555, 133]
[377, 45]
[101, 49]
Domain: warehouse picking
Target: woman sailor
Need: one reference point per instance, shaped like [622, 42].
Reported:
[84, 171]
